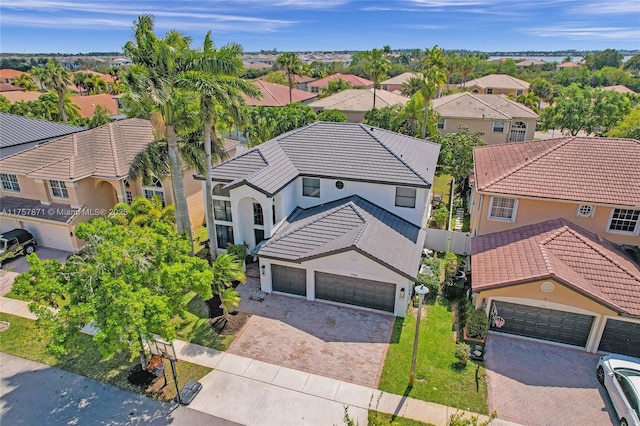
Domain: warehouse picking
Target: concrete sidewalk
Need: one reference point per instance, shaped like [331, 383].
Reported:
[253, 392]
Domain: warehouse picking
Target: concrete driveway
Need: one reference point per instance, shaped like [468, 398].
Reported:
[534, 383]
[19, 264]
[332, 341]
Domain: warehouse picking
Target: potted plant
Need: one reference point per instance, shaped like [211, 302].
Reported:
[462, 353]
[477, 326]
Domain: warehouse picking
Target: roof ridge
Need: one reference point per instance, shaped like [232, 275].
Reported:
[517, 104]
[114, 147]
[532, 160]
[269, 91]
[363, 127]
[74, 155]
[489, 105]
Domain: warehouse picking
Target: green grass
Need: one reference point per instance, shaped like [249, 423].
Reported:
[442, 185]
[12, 295]
[25, 340]
[389, 419]
[199, 235]
[439, 379]
[193, 326]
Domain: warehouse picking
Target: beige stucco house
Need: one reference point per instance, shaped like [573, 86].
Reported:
[497, 84]
[354, 103]
[556, 227]
[394, 84]
[50, 188]
[498, 117]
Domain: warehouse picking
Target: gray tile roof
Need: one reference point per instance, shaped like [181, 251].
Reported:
[16, 130]
[27, 208]
[351, 223]
[349, 151]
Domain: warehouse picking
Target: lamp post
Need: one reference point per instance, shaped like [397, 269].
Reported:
[421, 290]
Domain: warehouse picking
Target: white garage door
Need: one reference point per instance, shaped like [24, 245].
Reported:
[50, 235]
[7, 224]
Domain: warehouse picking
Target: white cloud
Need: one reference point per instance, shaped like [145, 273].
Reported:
[609, 7]
[584, 31]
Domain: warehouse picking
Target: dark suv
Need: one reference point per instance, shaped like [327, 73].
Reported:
[11, 243]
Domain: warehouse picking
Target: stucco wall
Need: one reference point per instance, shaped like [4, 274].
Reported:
[531, 211]
[496, 90]
[486, 126]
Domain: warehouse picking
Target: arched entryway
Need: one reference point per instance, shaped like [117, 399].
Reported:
[251, 221]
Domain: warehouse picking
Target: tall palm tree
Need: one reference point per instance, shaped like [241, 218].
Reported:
[157, 64]
[377, 65]
[220, 88]
[26, 82]
[433, 78]
[56, 77]
[452, 65]
[412, 86]
[292, 65]
[467, 67]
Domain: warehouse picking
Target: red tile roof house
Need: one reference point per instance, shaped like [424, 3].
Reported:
[323, 84]
[48, 189]
[557, 229]
[277, 95]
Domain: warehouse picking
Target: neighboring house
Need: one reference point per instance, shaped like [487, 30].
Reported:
[8, 74]
[19, 133]
[354, 103]
[8, 87]
[301, 81]
[497, 84]
[553, 221]
[619, 88]
[395, 83]
[498, 117]
[530, 63]
[87, 104]
[256, 65]
[16, 96]
[567, 65]
[322, 84]
[277, 95]
[50, 188]
[333, 211]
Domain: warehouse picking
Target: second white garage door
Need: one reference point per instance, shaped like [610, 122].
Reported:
[50, 235]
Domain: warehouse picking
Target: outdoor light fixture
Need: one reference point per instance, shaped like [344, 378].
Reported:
[264, 270]
[483, 305]
[402, 293]
[421, 291]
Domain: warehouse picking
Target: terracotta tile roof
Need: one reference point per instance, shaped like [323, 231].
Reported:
[619, 88]
[354, 80]
[297, 78]
[502, 81]
[275, 95]
[559, 250]
[585, 169]
[106, 151]
[468, 105]
[8, 87]
[8, 73]
[89, 103]
[14, 97]
[359, 100]
[108, 78]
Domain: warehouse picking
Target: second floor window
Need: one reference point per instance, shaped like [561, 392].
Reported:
[441, 124]
[518, 132]
[498, 127]
[405, 197]
[222, 210]
[503, 208]
[58, 189]
[9, 182]
[311, 187]
[624, 220]
[258, 217]
[154, 189]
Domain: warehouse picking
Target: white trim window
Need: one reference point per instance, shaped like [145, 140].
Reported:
[154, 189]
[498, 127]
[624, 221]
[503, 209]
[58, 189]
[518, 131]
[586, 210]
[405, 197]
[127, 192]
[441, 123]
[311, 187]
[9, 182]
[489, 90]
[222, 210]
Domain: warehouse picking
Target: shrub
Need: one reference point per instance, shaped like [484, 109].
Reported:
[440, 216]
[477, 324]
[458, 419]
[238, 250]
[462, 353]
[464, 308]
[451, 264]
[432, 282]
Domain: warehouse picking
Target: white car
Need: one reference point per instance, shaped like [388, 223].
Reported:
[621, 376]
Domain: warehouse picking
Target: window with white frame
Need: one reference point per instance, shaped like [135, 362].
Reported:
[503, 208]
[127, 192]
[498, 127]
[155, 189]
[224, 235]
[624, 220]
[585, 210]
[222, 210]
[311, 187]
[518, 131]
[441, 123]
[258, 216]
[405, 197]
[9, 182]
[219, 191]
[58, 189]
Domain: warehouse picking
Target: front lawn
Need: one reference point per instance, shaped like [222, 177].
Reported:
[439, 379]
[384, 419]
[24, 339]
[442, 186]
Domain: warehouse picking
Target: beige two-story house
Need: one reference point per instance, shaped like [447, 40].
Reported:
[556, 246]
[50, 188]
[497, 84]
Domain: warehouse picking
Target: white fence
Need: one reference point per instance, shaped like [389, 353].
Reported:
[453, 241]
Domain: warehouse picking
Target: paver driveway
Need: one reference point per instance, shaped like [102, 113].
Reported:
[320, 338]
[534, 383]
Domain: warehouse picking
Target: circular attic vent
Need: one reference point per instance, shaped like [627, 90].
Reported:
[547, 286]
[339, 184]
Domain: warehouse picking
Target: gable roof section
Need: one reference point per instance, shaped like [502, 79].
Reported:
[354, 80]
[503, 81]
[17, 130]
[359, 100]
[560, 250]
[8, 87]
[351, 223]
[348, 151]
[595, 170]
[400, 79]
[275, 95]
[106, 151]
[10, 73]
[493, 107]
[618, 88]
[88, 104]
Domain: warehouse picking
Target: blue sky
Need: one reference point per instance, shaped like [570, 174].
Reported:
[32, 26]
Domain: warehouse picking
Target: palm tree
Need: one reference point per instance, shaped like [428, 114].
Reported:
[142, 212]
[292, 65]
[467, 67]
[412, 86]
[157, 64]
[227, 269]
[377, 65]
[433, 78]
[56, 77]
[220, 88]
[452, 65]
[79, 79]
[26, 82]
